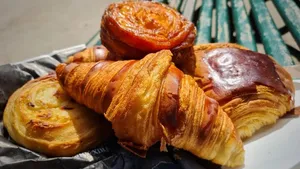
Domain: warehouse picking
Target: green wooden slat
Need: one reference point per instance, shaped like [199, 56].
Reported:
[290, 13]
[96, 35]
[179, 4]
[161, 1]
[189, 9]
[222, 28]
[175, 4]
[242, 25]
[204, 22]
[98, 42]
[283, 30]
[182, 6]
[273, 43]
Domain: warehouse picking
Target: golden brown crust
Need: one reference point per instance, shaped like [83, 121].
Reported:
[187, 59]
[91, 54]
[169, 115]
[132, 29]
[253, 101]
[41, 117]
[150, 100]
[210, 46]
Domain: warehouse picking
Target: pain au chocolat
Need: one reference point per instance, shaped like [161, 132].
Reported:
[42, 117]
[132, 29]
[252, 88]
[150, 100]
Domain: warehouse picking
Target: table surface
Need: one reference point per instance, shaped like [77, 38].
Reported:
[31, 28]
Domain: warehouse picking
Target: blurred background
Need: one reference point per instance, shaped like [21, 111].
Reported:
[31, 28]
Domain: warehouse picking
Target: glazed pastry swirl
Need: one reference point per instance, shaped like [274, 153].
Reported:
[150, 100]
[41, 117]
[132, 29]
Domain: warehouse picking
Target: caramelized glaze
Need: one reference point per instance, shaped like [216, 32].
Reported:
[235, 70]
[132, 29]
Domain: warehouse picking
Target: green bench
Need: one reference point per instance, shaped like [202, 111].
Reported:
[234, 25]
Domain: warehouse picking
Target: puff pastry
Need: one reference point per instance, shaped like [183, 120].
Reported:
[252, 88]
[151, 100]
[41, 117]
[132, 29]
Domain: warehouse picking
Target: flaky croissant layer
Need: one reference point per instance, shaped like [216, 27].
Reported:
[150, 100]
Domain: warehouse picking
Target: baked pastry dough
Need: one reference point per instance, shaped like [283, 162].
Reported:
[91, 54]
[41, 117]
[151, 100]
[252, 88]
[132, 29]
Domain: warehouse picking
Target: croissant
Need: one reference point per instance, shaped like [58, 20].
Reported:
[150, 100]
[41, 117]
[91, 54]
[252, 88]
[132, 29]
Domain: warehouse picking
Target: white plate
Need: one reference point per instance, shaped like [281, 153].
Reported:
[276, 146]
